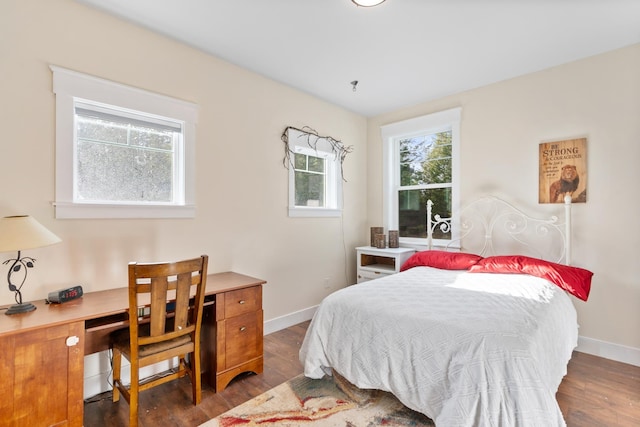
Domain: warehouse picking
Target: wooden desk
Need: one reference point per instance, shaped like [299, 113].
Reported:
[42, 364]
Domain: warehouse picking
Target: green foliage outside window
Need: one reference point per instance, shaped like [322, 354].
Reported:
[309, 180]
[425, 173]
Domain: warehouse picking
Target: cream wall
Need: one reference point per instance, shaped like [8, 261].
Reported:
[501, 128]
[242, 193]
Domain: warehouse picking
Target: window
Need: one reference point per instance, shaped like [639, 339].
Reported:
[121, 152]
[421, 162]
[315, 180]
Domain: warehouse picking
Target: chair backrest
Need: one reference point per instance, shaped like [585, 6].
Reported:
[168, 297]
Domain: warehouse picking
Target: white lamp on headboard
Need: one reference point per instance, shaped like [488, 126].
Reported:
[16, 234]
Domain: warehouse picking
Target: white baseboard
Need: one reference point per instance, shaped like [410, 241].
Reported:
[283, 322]
[617, 352]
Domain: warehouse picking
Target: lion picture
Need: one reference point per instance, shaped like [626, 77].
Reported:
[567, 184]
[562, 171]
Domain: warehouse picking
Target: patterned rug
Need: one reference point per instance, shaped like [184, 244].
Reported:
[328, 402]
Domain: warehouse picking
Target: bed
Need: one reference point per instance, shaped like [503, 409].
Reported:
[468, 339]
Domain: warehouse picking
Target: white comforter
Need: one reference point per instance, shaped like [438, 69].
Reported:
[465, 349]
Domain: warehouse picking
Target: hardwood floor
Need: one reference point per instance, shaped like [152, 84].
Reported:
[600, 392]
[595, 392]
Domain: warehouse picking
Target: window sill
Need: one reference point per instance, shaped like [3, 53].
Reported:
[422, 244]
[66, 210]
[314, 212]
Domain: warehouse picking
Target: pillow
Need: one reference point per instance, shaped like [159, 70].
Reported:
[441, 259]
[575, 280]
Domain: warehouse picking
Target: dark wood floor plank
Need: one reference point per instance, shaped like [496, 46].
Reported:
[600, 392]
[596, 392]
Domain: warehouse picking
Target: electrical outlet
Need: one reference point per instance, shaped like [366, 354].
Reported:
[327, 285]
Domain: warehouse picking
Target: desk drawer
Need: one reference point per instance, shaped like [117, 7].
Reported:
[243, 338]
[242, 301]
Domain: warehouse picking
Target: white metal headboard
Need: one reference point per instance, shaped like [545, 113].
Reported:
[492, 226]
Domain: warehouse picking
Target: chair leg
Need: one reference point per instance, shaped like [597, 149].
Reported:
[196, 376]
[116, 363]
[134, 390]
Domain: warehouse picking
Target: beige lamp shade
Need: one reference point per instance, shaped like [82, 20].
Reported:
[24, 232]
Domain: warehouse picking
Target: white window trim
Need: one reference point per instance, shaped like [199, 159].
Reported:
[427, 124]
[69, 85]
[333, 183]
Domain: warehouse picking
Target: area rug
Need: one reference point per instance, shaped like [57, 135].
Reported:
[328, 402]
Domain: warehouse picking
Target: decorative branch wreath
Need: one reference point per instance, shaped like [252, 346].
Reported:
[312, 138]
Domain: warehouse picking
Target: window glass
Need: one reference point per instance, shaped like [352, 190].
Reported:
[412, 212]
[316, 164]
[120, 160]
[425, 159]
[425, 163]
[310, 181]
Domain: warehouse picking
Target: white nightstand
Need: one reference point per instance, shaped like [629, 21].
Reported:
[374, 263]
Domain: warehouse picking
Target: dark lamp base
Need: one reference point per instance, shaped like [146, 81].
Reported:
[20, 308]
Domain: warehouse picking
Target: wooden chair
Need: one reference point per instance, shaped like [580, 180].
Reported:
[165, 315]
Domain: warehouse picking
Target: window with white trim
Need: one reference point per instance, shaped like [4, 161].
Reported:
[315, 179]
[421, 162]
[121, 152]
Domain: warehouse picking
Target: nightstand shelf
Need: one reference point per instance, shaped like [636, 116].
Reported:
[374, 262]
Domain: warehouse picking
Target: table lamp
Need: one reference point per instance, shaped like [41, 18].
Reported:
[16, 234]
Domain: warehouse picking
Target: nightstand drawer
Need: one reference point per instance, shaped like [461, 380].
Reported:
[242, 301]
[364, 275]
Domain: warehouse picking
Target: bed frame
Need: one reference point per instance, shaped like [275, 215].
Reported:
[492, 226]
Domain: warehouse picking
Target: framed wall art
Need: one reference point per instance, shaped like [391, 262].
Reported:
[563, 170]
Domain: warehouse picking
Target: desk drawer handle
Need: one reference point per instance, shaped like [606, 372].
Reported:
[72, 340]
[243, 328]
[241, 301]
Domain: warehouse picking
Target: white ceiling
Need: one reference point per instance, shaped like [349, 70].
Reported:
[402, 52]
